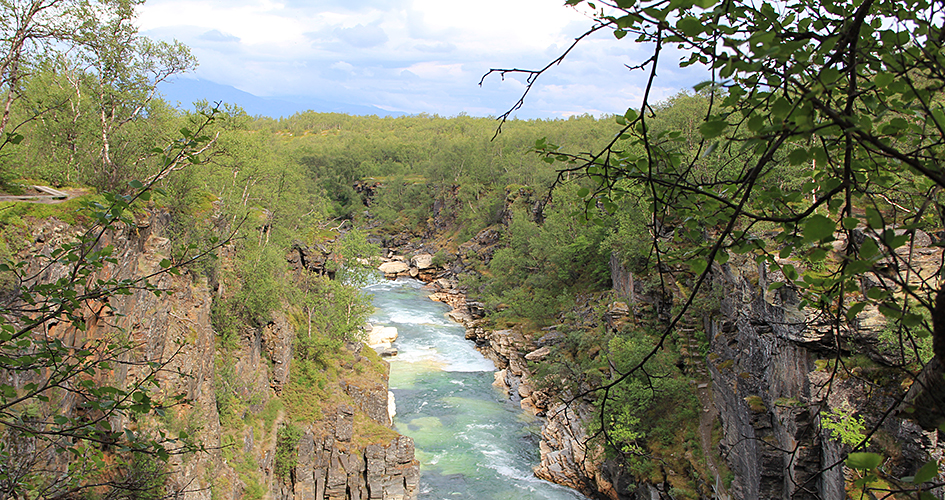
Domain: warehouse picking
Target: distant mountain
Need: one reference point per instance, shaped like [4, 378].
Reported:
[183, 92]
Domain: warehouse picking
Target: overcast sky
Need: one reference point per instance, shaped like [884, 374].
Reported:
[411, 56]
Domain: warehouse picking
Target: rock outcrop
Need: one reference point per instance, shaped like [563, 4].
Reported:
[770, 393]
[328, 471]
[228, 390]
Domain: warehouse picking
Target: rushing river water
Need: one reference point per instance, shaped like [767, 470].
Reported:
[471, 441]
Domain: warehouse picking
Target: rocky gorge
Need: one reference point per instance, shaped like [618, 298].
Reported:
[768, 375]
[763, 377]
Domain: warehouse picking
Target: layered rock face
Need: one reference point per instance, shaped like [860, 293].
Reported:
[565, 457]
[378, 472]
[771, 394]
[175, 328]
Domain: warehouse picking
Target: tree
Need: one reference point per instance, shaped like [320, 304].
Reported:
[123, 70]
[846, 98]
[48, 451]
[82, 65]
[30, 27]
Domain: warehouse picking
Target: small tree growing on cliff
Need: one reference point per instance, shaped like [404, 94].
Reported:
[848, 97]
[47, 362]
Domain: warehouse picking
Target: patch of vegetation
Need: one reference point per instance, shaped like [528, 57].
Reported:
[287, 456]
[756, 404]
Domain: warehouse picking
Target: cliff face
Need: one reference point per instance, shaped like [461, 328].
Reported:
[233, 393]
[770, 391]
[327, 471]
[566, 458]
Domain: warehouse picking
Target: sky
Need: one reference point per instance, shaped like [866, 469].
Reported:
[412, 56]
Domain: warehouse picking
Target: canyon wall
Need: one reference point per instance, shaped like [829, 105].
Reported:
[233, 393]
[765, 381]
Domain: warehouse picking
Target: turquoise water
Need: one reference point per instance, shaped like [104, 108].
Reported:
[471, 441]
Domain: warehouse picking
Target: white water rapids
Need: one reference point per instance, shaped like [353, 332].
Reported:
[471, 441]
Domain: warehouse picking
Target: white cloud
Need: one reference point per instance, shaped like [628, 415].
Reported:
[361, 36]
[343, 66]
[410, 55]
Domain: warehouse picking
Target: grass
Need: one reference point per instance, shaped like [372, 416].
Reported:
[756, 404]
[368, 432]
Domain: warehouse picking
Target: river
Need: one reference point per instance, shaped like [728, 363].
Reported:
[472, 442]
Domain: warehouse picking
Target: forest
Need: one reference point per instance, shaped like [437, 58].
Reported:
[818, 184]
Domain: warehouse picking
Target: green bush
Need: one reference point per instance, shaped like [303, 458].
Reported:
[287, 456]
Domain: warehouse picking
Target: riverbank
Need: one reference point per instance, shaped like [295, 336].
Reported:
[564, 457]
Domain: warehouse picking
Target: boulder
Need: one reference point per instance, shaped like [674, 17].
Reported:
[538, 354]
[394, 267]
[422, 261]
[385, 350]
[382, 335]
[460, 315]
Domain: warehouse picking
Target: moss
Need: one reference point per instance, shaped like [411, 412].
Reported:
[368, 432]
[302, 404]
[270, 412]
[287, 456]
[756, 404]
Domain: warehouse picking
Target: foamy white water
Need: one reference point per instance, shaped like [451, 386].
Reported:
[471, 441]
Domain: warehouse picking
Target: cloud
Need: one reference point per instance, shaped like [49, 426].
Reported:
[362, 36]
[439, 47]
[410, 55]
[218, 36]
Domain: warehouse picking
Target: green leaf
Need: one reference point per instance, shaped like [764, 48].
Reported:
[619, 34]
[136, 184]
[869, 248]
[798, 156]
[166, 263]
[883, 80]
[817, 228]
[722, 257]
[698, 265]
[583, 192]
[713, 128]
[850, 223]
[855, 309]
[864, 461]
[927, 472]
[789, 272]
[689, 26]
[874, 218]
